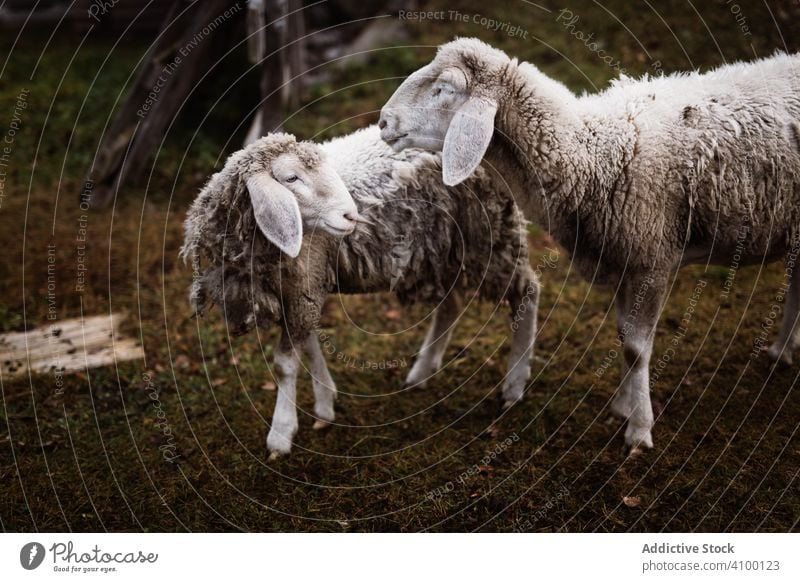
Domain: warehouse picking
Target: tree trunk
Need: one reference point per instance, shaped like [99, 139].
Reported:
[173, 65]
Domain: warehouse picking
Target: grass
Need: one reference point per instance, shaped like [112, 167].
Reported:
[94, 458]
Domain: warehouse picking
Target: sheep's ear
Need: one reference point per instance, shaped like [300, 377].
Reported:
[277, 212]
[467, 138]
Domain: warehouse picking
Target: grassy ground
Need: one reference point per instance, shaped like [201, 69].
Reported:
[95, 457]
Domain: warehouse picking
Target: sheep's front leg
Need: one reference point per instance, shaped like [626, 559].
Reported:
[644, 296]
[789, 334]
[324, 387]
[436, 340]
[524, 310]
[284, 420]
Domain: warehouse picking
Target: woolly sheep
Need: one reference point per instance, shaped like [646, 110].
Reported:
[417, 238]
[635, 181]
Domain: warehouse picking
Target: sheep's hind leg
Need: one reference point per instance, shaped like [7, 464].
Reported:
[524, 311]
[284, 419]
[324, 387]
[621, 405]
[436, 340]
[789, 334]
[644, 297]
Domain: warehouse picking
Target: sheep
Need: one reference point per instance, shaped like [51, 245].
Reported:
[415, 237]
[636, 181]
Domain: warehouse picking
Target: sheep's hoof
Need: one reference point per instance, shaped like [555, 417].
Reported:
[509, 403]
[512, 393]
[635, 452]
[274, 456]
[638, 437]
[780, 355]
[409, 385]
[419, 376]
[320, 424]
[415, 382]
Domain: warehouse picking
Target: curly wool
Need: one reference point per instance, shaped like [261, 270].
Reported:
[228, 254]
[649, 174]
[422, 239]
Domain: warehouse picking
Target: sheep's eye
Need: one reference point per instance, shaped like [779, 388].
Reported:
[437, 91]
[291, 179]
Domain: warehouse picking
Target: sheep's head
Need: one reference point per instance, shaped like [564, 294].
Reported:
[448, 105]
[292, 187]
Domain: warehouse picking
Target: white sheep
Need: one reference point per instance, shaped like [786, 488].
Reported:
[416, 237]
[635, 181]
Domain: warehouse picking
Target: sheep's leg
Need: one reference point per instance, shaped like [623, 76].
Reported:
[324, 387]
[621, 405]
[789, 334]
[643, 300]
[524, 311]
[284, 420]
[432, 351]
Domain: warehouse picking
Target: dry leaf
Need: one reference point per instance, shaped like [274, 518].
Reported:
[635, 501]
[218, 382]
[182, 361]
[392, 314]
[269, 385]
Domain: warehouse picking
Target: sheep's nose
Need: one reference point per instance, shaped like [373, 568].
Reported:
[385, 118]
[351, 216]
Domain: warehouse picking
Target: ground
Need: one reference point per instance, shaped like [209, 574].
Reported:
[177, 442]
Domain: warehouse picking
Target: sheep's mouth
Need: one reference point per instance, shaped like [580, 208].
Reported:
[395, 138]
[337, 231]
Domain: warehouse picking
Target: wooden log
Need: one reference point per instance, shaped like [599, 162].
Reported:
[67, 346]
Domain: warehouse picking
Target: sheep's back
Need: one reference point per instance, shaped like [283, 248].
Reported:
[424, 238]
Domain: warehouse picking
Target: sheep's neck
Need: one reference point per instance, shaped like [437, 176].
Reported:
[539, 168]
[541, 151]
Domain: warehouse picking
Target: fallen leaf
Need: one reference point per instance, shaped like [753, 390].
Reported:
[218, 382]
[635, 501]
[392, 314]
[269, 385]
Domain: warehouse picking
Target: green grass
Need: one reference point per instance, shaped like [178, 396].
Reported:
[726, 448]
